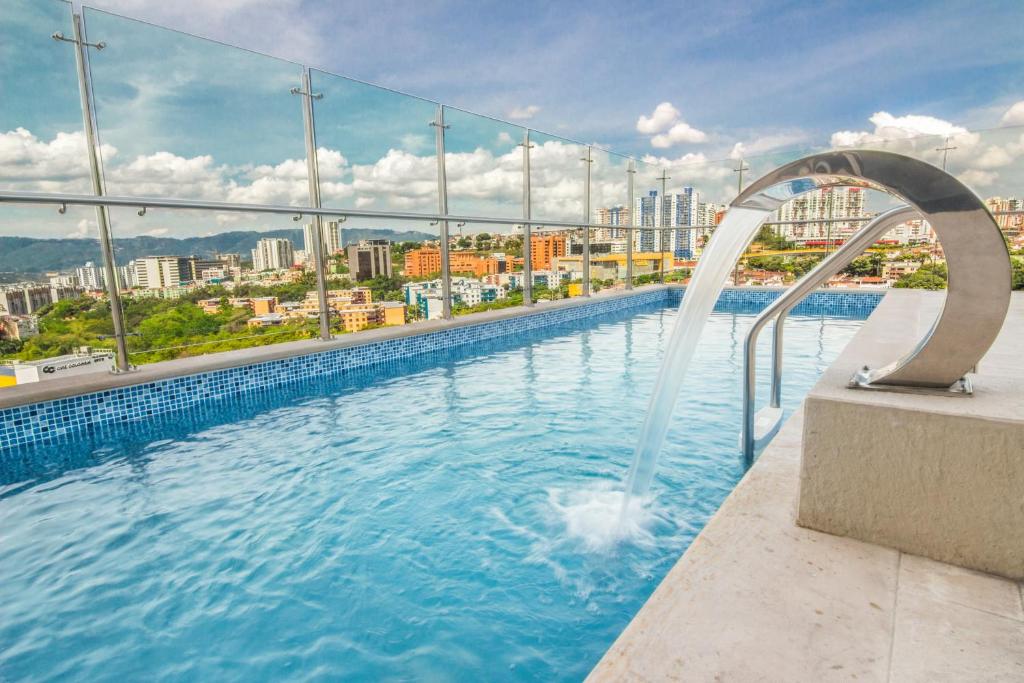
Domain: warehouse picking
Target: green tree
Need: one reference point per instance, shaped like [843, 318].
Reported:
[929, 276]
[1018, 273]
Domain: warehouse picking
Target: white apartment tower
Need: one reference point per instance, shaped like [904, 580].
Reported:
[330, 238]
[157, 272]
[829, 205]
[273, 253]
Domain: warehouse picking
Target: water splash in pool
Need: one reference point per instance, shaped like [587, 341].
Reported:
[600, 517]
[730, 238]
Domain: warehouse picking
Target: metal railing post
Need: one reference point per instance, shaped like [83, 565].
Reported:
[313, 173]
[589, 161]
[631, 232]
[666, 217]
[527, 236]
[442, 209]
[98, 185]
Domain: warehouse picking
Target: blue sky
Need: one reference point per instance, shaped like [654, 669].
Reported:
[684, 86]
[735, 69]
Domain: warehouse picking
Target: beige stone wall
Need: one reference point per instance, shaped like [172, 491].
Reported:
[946, 487]
[939, 476]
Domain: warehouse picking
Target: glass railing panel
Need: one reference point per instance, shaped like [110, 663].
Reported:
[185, 117]
[609, 207]
[42, 142]
[397, 267]
[55, 320]
[553, 261]
[198, 282]
[484, 167]
[377, 147]
[651, 241]
[556, 178]
[202, 283]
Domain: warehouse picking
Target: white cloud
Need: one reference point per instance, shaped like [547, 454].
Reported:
[1014, 116]
[889, 127]
[679, 133]
[661, 119]
[994, 156]
[975, 178]
[766, 143]
[523, 113]
[84, 229]
[57, 165]
[667, 128]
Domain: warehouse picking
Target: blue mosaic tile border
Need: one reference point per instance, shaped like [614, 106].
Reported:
[60, 420]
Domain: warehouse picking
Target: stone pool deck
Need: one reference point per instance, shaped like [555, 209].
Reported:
[757, 598]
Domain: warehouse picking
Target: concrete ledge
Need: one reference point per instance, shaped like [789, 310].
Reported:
[87, 384]
[757, 598]
[938, 476]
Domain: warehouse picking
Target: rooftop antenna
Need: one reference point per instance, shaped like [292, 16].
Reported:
[945, 152]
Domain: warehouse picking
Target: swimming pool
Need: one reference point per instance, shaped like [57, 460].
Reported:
[428, 519]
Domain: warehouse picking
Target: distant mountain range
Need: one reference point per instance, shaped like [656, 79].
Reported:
[21, 257]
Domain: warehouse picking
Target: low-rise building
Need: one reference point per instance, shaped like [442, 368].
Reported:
[83, 362]
[894, 270]
[27, 298]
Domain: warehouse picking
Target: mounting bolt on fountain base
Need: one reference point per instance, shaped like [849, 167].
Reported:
[865, 378]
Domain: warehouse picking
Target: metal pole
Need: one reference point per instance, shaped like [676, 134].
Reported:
[631, 189]
[740, 168]
[527, 237]
[442, 209]
[313, 173]
[98, 186]
[589, 161]
[661, 233]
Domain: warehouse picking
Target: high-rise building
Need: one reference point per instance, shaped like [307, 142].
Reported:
[330, 239]
[543, 248]
[612, 215]
[819, 215]
[158, 272]
[195, 265]
[91, 277]
[1007, 212]
[274, 253]
[230, 260]
[647, 210]
[369, 259]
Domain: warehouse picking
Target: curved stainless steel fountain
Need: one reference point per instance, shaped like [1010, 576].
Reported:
[977, 259]
[976, 303]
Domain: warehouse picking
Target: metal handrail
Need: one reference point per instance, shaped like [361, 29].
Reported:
[780, 308]
[60, 199]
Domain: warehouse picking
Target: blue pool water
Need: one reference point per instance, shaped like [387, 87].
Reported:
[438, 519]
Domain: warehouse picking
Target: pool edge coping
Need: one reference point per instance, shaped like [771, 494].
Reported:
[43, 392]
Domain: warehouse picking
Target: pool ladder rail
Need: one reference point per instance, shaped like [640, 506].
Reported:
[759, 427]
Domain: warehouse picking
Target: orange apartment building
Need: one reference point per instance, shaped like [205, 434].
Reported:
[426, 262]
[355, 318]
[543, 248]
[422, 262]
[262, 305]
